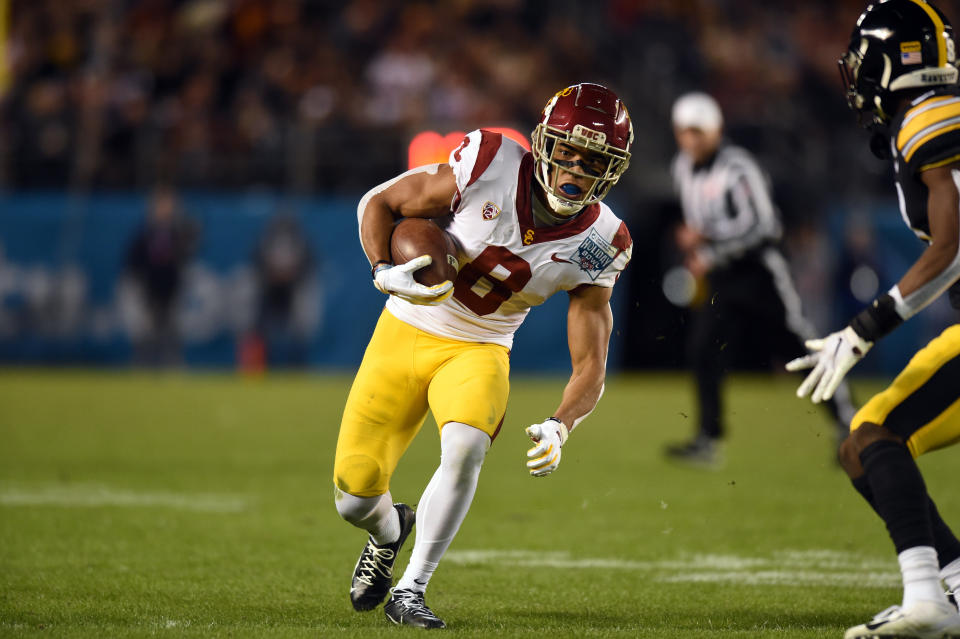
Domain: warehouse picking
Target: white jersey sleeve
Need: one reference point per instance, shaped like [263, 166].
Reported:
[464, 158]
[484, 156]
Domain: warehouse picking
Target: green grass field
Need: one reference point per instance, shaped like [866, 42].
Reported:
[201, 505]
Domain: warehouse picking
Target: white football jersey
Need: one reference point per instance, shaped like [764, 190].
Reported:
[507, 264]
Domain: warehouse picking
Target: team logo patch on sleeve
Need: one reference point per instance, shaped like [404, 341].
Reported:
[594, 254]
[490, 211]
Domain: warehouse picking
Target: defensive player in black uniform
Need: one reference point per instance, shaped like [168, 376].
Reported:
[901, 79]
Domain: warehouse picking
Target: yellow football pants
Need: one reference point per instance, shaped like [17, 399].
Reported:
[922, 405]
[404, 372]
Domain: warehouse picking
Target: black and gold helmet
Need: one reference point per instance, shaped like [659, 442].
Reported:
[897, 45]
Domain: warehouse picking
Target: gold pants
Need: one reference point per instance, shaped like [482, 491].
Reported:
[922, 405]
[404, 372]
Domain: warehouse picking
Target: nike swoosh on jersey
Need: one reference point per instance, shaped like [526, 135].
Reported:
[560, 259]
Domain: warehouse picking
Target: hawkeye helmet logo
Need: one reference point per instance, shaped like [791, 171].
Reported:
[594, 255]
[490, 211]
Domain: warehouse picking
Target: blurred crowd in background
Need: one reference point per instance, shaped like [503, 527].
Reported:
[317, 95]
[321, 98]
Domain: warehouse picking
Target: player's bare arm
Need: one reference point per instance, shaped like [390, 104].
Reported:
[589, 324]
[420, 193]
[943, 213]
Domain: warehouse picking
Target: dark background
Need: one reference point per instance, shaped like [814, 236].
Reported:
[315, 102]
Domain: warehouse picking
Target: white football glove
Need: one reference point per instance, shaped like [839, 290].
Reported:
[549, 436]
[398, 280]
[833, 356]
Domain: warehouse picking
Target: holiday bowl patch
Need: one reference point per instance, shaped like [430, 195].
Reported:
[594, 254]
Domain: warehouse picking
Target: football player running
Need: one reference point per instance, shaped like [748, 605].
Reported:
[527, 225]
[900, 75]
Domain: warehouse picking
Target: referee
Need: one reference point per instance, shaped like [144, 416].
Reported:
[728, 238]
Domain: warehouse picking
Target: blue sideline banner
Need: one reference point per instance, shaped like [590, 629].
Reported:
[64, 298]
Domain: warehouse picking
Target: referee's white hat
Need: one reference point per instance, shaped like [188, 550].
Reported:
[697, 111]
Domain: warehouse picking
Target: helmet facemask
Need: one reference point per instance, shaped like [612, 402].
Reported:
[865, 75]
[547, 139]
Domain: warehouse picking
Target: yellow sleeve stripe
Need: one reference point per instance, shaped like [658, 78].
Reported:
[926, 105]
[936, 165]
[913, 146]
[925, 115]
[939, 30]
[931, 122]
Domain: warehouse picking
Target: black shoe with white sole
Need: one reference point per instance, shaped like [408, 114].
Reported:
[406, 608]
[373, 574]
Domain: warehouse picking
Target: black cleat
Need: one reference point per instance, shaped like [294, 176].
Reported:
[373, 574]
[406, 608]
[702, 451]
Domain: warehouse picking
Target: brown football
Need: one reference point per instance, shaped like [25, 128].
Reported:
[413, 237]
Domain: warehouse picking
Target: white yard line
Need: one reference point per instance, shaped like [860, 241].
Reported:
[788, 578]
[97, 495]
[785, 568]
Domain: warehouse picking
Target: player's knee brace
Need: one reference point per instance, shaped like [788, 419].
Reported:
[359, 475]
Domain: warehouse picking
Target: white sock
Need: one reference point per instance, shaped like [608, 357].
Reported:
[420, 568]
[445, 501]
[951, 575]
[376, 515]
[921, 575]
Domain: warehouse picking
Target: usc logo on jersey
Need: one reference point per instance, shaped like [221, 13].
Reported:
[528, 237]
[490, 211]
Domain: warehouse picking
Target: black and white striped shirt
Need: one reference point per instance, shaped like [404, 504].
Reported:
[727, 200]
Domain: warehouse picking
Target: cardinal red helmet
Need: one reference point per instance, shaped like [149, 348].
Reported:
[589, 116]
